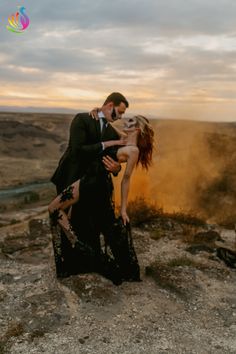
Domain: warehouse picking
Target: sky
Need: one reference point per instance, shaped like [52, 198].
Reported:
[170, 58]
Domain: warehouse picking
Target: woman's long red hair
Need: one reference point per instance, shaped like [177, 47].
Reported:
[145, 142]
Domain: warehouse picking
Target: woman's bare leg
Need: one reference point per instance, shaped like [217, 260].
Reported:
[64, 200]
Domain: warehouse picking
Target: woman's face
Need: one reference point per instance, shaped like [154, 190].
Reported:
[130, 123]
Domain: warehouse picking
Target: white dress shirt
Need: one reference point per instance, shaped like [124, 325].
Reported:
[100, 116]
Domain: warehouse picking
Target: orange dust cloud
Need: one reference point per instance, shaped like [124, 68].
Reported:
[182, 166]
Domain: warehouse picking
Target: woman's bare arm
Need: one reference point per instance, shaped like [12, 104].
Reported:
[125, 183]
[110, 143]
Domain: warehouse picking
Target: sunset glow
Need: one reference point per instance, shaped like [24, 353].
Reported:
[176, 64]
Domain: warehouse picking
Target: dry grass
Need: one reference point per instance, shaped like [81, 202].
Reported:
[157, 234]
[189, 231]
[141, 211]
[15, 329]
[182, 262]
[188, 218]
[228, 221]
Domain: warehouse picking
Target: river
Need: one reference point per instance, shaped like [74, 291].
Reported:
[17, 191]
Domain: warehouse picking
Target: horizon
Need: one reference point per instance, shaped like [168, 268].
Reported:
[127, 114]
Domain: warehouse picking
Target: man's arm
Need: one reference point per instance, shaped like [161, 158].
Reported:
[79, 137]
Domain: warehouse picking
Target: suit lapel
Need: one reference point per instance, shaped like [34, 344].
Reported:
[109, 133]
[98, 128]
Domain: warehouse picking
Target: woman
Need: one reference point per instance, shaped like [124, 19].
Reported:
[139, 138]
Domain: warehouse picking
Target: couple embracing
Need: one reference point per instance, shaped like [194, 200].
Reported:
[84, 209]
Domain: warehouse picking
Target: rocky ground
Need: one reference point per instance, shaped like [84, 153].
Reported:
[185, 303]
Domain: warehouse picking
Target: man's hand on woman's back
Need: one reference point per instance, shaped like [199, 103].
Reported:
[111, 165]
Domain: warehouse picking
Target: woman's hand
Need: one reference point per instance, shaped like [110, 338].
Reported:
[94, 113]
[125, 217]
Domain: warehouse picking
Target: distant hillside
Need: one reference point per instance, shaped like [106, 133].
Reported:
[30, 146]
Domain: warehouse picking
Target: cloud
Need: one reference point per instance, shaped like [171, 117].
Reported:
[176, 51]
[165, 17]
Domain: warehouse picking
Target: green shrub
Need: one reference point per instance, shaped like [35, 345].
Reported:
[181, 262]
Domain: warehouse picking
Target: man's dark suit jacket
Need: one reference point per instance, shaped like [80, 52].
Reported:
[84, 146]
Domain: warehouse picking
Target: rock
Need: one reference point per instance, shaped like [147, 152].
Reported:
[194, 249]
[228, 256]
[14, 244]
[6, 278]
[38, 228]
[207, 237]
[29, 247]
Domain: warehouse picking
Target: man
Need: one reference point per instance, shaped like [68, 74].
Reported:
[86, 143]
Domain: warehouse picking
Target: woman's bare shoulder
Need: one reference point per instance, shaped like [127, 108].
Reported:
[127, 152]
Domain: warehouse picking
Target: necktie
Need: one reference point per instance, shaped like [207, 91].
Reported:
[104, 125]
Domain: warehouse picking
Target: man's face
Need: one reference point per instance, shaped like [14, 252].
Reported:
[116, 112]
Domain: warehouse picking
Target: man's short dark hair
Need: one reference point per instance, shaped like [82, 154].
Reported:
[116, 98]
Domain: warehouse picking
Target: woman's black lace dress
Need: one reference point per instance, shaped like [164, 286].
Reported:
[112, 255]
